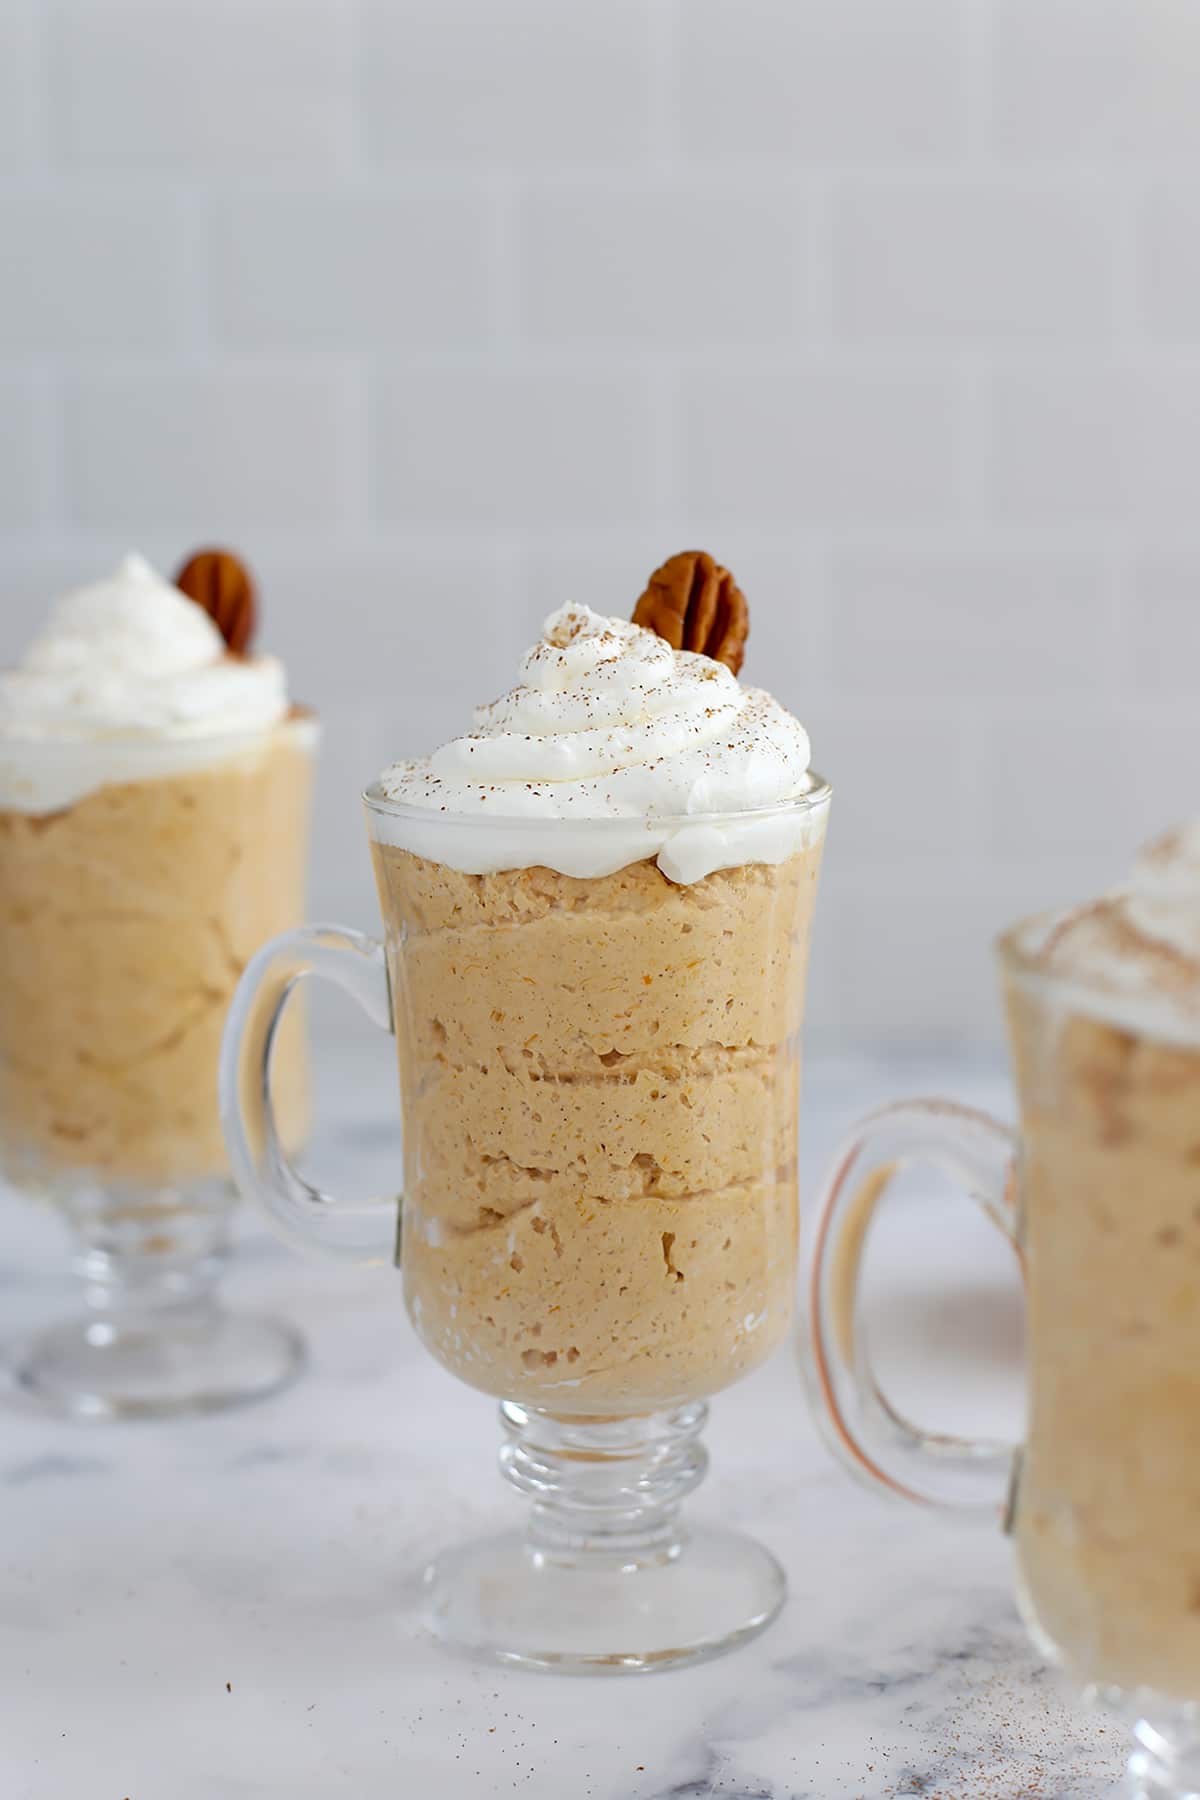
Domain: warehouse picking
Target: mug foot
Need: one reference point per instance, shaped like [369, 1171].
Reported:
[193, 1360]
[602, 1611]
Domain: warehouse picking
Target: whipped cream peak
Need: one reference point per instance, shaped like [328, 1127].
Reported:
[125, 662]
[570, 623]
[1171, 864]
[1163, 901]
[133, 620]
[608, 723]
[1137, 949]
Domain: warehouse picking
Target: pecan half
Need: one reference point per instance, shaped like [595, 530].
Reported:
[696, 605]
[222, 584]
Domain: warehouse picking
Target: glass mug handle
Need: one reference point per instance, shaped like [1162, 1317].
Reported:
[877, 1444]
[363, 1231]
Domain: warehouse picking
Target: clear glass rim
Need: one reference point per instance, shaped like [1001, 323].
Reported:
[150, 743]
[813, 799]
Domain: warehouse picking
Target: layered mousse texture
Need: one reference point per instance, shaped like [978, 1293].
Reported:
[599, 1059]
[1104, 1008]
[154, 798]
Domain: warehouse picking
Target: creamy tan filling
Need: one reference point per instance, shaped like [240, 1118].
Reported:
[600, 1086]
[125, 922]
[1108, 1523]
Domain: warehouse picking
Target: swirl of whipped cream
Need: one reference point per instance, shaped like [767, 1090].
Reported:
[1134, 954]
[129, 677]
[615, 740]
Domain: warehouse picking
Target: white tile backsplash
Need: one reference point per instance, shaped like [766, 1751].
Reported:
[388, 625]
[90, 267]
[205, 85]
[915, 967]
[21, 495]
[529, 82]
[1078, 777]
[446, 313]
[974, 259]
[1059, 444]
[1048, 98]
[213, 450]
[617, 265]
[1106, 444]
[1094, 79]
[512, 448]
[1161, 617]
[840, 444]
[904, 784]
[1169, 262]
[823, 80]
[19, 87]
[989, 624]
[369, 265]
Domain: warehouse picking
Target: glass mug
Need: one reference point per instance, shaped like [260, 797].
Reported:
[1100, 1198]
[127, 916]
[599, 1081]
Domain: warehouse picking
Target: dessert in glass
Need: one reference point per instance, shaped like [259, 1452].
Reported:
[154, 792]
[1101, 1199]
[596, 916]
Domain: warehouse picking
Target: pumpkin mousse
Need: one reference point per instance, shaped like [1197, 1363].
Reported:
[598, 907]
[1104, 1009]
[154, 787]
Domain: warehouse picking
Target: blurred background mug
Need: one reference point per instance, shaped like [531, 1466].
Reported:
[1100, 1198]
[131, 899]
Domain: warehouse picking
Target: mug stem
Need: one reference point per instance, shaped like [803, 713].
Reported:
[605, 1487]
[144, 1250]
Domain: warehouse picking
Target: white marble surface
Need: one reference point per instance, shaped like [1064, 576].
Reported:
[222, 1609]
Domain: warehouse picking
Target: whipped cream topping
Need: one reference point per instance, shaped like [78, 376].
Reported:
[129, 677]
[1134, 954]
[609, 747]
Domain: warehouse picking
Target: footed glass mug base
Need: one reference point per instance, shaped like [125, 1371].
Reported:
[606, 1579]
[200, 1359]
[154, 1341]
[604, 1612]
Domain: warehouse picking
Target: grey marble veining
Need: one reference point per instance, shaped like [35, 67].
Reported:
[225, 1609]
